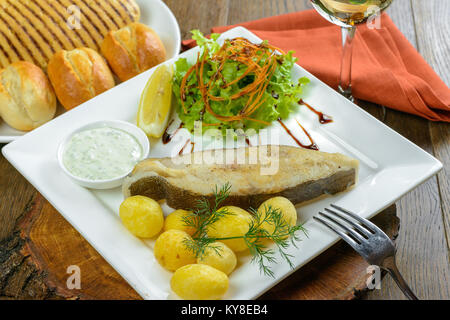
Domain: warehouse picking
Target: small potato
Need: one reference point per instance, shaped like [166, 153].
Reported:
[287, 209]
[142, 216]
[175, 221]
[199, 282]
[219, 256]
[235, 224]
[171, 251]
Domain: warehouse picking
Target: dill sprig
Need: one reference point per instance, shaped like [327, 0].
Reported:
[283, 234]
[203, 216]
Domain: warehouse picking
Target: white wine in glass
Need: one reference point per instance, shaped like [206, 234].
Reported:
[348, 14]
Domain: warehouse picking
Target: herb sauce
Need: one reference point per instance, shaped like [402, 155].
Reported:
[101, 153]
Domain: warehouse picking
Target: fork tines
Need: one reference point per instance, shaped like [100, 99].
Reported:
[342, 222]
[367, 239]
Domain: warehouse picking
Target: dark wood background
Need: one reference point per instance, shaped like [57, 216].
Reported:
[424, 238]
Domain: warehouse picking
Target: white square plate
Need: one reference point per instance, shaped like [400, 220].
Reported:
[156, 15]
[390, 167]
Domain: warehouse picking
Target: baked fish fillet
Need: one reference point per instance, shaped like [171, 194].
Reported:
[294, 173]
[33, 30]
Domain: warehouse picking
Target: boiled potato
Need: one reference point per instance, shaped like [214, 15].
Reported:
[171, 251]
[199, 282]
[219, 256]
[142, 216]
[235, 224]
[287, 209]
[175, 221]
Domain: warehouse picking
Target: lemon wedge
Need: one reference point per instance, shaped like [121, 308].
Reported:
[156, 101]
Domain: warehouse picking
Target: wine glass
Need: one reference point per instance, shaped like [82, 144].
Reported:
[348, 14]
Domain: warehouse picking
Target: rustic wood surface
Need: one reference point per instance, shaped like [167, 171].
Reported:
[424, 237]
[36, 261]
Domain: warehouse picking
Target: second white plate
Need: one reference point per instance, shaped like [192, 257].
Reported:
[155, 14]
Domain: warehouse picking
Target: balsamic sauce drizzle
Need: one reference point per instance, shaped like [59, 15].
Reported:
[312, 146]
[167, 137]
[323, 118]
[185, 145]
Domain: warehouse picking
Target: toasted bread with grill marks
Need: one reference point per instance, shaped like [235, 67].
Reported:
[34, 30]
[294, 173]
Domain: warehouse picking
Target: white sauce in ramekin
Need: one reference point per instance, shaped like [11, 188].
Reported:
[101, 154]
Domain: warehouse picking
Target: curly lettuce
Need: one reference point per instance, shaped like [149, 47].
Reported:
[280, 97]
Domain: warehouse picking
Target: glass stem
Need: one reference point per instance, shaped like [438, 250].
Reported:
[345, 79]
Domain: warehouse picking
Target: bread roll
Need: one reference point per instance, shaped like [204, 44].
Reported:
[78, 76]
[132, 50]
[27, 99]
[34, 30]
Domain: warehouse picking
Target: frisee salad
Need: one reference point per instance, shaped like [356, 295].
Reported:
[239, 85]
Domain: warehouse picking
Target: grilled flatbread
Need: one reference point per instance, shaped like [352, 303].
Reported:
[33, 30]
[294, 173]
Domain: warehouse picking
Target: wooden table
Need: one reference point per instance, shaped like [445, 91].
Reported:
[424, 238]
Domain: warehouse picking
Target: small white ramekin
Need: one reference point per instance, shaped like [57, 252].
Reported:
[136, 132]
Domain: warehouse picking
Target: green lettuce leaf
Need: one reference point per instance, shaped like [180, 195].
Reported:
[280, 99]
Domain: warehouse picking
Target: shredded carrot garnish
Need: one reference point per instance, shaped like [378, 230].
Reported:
[261, 62]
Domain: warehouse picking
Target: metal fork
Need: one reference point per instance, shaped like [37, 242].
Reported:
[367, 239]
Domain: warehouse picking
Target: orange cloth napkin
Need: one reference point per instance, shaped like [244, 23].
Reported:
[387, 69]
